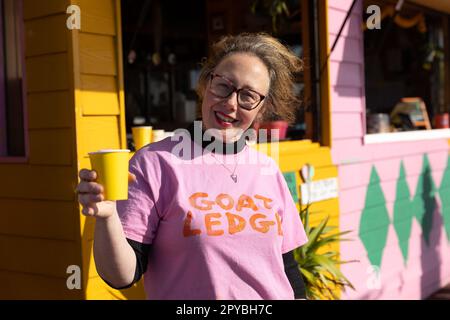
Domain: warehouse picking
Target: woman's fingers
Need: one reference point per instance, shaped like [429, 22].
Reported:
[90, 210]
[88, 198]
[89, 187]
[91, 197]
[88, 175]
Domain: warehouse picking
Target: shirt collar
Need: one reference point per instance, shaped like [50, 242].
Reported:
[227, 148]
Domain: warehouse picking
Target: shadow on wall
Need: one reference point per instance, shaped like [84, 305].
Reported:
[428, 214]
[136, 292]
[350, 72]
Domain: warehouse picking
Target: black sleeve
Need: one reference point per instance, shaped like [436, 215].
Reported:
[141, 250]
[294, 275]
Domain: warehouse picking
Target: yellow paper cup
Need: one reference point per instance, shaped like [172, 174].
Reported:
[112, 172]
[141, 136]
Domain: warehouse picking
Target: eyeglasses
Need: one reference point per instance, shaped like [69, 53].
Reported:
[222, 88]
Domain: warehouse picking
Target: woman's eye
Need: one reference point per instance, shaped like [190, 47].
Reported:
[223, 88]
[248, 96]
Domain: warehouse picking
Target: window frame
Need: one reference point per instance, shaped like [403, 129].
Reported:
[19, 26]
[416, 135]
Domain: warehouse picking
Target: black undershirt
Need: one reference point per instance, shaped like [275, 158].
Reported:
[142, 250]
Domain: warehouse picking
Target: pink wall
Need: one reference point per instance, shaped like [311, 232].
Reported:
[428, 265]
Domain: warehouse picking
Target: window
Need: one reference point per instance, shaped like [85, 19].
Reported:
[12, 135]
[164, 41]
[406, 61]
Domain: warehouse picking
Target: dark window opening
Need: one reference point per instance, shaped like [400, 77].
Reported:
[12, 135]
[406, 58]
[164, 41]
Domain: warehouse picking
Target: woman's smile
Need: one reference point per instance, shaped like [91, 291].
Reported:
[223, 120]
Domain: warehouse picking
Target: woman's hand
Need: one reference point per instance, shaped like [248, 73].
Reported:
[90, 196]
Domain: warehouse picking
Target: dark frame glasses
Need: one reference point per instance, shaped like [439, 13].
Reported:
[232, 88]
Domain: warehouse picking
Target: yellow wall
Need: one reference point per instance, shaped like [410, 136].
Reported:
[38, 215]
[99, 113]
[75, 104]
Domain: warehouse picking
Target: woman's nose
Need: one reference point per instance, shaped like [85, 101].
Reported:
[232, 101]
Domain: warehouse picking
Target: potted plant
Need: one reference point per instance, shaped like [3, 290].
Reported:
[270, 123]
[319, 265]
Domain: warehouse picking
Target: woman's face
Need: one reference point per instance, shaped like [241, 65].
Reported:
[238, 70]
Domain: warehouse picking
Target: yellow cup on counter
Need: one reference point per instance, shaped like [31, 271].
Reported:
[111, 166]
[142, 136]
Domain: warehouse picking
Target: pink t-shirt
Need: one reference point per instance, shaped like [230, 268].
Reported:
[211, 237]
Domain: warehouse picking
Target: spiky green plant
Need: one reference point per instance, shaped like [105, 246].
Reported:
[317, 263]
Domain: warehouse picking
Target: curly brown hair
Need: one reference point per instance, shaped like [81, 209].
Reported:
[281, 62]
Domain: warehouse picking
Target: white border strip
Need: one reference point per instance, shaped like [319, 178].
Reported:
[407, 136]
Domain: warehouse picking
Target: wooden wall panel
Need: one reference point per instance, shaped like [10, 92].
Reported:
[99, 95]
[39, 218]
[51, 147]
[50, 110]
[98, 16]
[48, 73]
[43, 36]
[24, 286]
[37, 201]
[37, 182]
[347, 125]
[42, 8]
[97, 54]
[98, 132]
[38, 256]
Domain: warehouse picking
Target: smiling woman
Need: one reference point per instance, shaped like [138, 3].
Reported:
[193, 232]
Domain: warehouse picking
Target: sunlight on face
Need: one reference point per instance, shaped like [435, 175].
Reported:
[223, 116]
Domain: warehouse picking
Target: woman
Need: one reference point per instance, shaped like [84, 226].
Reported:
[211, 224]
